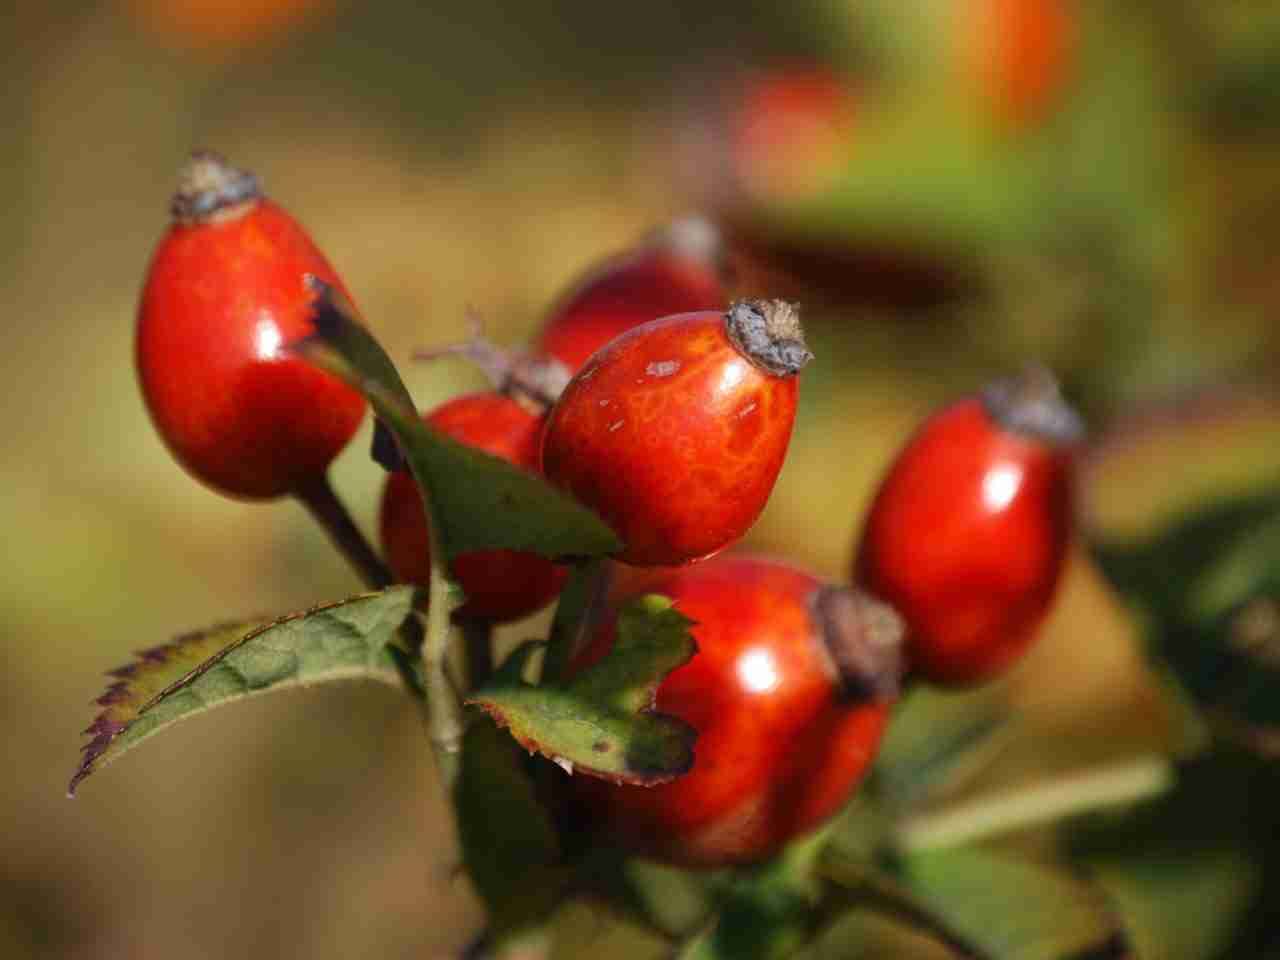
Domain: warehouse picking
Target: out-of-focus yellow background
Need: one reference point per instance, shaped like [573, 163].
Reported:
[482, 155]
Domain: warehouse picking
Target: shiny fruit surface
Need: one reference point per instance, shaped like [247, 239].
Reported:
[675, 274]
[675, 432]
[227, 289]
[967, 536]
[779, 747]
[500, 585]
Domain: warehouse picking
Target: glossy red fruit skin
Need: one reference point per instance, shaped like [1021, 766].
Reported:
[967, 539]
[500, 585]
[673, 436]
[220, 302]
[778, 750]
[623, 293]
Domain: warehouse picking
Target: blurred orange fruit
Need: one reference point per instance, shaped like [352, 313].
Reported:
[1019, 53]
[224, 24]
[791, 131]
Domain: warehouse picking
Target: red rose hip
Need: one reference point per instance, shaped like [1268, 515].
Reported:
[677, 272]
[676, 431]
[968, 534]
[789, 692]
[227, 289]
[500, 585]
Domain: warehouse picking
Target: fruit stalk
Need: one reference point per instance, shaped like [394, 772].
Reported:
[579, 605]
[317, 495]
[477, 638]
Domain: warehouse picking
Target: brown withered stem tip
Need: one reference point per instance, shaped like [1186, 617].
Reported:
[1031, 404]
[210, 189]
[864, 638]
[768, 333]
[535, 382]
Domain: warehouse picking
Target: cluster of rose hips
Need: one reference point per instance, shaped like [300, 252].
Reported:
[669, 414]
[792, 130]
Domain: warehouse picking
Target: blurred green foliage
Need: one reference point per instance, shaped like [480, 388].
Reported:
[448, 156]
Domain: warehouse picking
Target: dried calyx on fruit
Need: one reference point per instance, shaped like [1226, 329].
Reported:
[676, 431]
[533, 380]
[676, 268]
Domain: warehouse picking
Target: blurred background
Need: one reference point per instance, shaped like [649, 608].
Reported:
[950, 187]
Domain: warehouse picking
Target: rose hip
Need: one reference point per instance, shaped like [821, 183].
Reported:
[228, 288]
[789, 692]
[967, 536]
[676, 431]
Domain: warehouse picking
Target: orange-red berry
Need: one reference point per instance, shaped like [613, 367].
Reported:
[967, 536]
[789, 693]
[677, 272]
[227, 290]
[676, 431]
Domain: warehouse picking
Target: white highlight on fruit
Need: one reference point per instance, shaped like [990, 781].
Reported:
[1000, 485]
[732, 375]
[266, 339]
[757, 671]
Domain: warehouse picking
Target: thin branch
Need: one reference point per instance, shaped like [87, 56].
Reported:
[477, 636]
[443, 707]
[317, 495]
[580, 605]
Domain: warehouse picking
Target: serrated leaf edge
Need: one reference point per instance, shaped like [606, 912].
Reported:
[104, 732]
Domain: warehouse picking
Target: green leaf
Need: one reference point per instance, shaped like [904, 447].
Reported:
[589, 927]
[863, 934]
[338, 641]
[1188, 869]
[1231, 668]
[1042, 766]
[1170, 489]
[1171, 573]
[673, 900]
[477, 501]
[602, 722]
[509, 843]
[767, 911]
[936, 743]
[1211, 586]
[857, 889]
[1181, 907]
[1013, 909]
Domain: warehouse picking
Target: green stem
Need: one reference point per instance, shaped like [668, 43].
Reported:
[579, 606]
[443, 709]
[317, 495]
